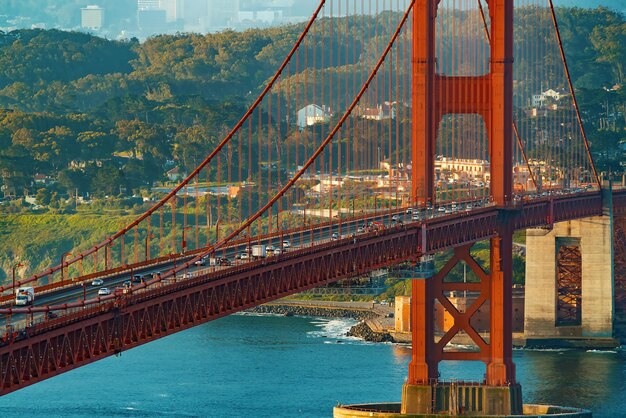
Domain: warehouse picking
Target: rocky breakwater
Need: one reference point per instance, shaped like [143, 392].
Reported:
[373, 318]
[325, 310]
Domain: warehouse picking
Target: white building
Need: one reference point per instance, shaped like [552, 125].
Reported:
[381, 112]
[539, 100]
[555, 94]
[462, 169]
[92, 17]
[312, 114]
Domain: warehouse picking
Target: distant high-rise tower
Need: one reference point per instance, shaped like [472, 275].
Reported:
[194, 10]
[92, 17]
[222, 12]
[173, 9]
[148, 4]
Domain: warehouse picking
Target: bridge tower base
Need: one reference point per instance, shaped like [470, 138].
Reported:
[392, 410]
[458, 398]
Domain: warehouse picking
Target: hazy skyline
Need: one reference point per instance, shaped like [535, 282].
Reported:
[123, 18]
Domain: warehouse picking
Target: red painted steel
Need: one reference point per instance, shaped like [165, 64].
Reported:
[491, 96]
[423, 101]
[619, 273]
[108, 325]
[569, 285]
[79, 338]
[168, 197]
[126, 322]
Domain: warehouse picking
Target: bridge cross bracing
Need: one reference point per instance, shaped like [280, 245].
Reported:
[379, 106]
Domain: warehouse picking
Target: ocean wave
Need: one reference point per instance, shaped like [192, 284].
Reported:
[332, 328]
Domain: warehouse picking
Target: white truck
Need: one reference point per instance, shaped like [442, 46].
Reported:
[259, 251]
[25, 296]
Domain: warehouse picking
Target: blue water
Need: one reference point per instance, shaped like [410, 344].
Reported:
[268, 366]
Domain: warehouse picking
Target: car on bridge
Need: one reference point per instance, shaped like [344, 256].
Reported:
[286, 244]
[103, 291]
[97, 282]
[223, 261]
[335, 236]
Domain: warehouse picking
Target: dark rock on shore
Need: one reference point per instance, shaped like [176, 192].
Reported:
[362, 330]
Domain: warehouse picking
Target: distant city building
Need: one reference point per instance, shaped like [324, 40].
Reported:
[192, 12]
[92, 17]
[460, 169]
[148, 4]
[266, 17]
[151, 21]
[222, 13]
[173, 9]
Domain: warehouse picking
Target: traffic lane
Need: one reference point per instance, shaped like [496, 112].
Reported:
[77, 293]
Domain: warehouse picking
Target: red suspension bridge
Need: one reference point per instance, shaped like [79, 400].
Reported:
[380, 106]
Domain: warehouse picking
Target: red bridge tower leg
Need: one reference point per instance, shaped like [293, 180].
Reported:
[491, 96]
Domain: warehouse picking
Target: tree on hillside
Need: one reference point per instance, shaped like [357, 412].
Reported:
[610, 43]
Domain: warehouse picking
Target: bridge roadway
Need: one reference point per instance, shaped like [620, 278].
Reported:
[74, 290]
[89, 333]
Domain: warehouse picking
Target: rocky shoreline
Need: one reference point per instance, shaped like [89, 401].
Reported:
[361, 330]
[370, 316]
[323, 312]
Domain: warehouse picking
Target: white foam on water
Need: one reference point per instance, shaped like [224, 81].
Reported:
[243, 313]
[333, 329]
[556, 350]
[602, 351]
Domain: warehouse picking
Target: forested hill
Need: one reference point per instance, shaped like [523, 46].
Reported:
[69, 101]
[74, 72]
[68, 71]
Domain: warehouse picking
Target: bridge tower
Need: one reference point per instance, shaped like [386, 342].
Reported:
[491, 96]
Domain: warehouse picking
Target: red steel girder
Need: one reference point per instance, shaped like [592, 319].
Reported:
[489, 95]
[80, 338]
[569, 285]
[619, 260]
[494, 288]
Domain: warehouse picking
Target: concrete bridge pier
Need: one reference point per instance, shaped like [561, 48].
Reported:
[570, 284]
